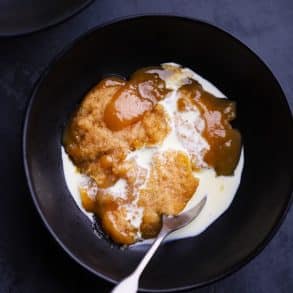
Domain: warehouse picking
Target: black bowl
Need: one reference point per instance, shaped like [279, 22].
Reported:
[264, 120]
[18, 17]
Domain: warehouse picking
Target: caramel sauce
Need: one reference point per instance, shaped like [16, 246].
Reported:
[224, 141]
[139, 95]
[88, 202]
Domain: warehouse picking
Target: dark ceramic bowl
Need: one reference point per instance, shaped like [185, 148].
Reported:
[18, 17]
[264, 120]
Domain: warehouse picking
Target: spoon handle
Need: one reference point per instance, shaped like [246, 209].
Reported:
[130, 283]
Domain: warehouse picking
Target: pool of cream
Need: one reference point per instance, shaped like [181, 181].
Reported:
[220, 190]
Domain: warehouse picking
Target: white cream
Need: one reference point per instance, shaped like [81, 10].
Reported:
[134, 215]
[208, 86]
[185, 133]
[143, 157]
[119, 189]
[189, 126]
[74, 180]
[171, 142]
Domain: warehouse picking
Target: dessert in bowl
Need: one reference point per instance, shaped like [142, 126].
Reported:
[149, 146]
[263, 117]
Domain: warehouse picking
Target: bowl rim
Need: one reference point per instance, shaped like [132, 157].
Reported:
[57, 21]
[234, 268]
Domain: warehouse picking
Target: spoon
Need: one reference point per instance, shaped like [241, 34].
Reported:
[169, 224]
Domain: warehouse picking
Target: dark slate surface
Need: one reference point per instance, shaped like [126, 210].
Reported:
[30, 261]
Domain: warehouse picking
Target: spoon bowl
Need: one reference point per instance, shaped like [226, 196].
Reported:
[169, 224]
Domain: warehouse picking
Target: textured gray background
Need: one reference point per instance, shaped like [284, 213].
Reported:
[30, 261]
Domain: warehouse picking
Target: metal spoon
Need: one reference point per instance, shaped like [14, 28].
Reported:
[170, 224]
